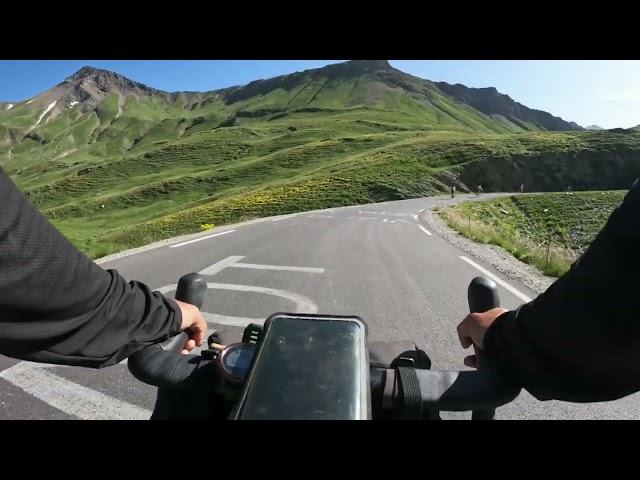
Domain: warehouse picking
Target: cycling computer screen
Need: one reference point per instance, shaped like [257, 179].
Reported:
[235, 361]
[309, 367]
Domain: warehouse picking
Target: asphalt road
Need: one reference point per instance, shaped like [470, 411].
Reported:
[376, 261]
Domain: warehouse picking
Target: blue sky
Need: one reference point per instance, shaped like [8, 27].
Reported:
[606, 93]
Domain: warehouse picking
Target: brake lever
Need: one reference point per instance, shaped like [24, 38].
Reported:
[175, 344]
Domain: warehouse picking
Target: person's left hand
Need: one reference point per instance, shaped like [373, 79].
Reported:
[472, 330]
[194, 324]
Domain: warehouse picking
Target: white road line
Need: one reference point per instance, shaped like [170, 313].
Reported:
[403, 221]
[221, 265]
[386, 214]
[368, 218]
[277, 267]
[384, 220]
[414, 216]
[302, 304]
[424, 230]
[201, 238]
[284, 217]
[499, 281]
[216, 319]
[69, 397]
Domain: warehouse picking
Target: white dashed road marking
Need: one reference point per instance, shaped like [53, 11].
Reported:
[200, 239]
[424, 230]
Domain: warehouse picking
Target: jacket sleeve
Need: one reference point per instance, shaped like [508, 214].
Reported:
[57, 306]
[580, 340]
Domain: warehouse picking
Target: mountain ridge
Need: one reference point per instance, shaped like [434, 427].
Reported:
[89, 86]
[490, 101]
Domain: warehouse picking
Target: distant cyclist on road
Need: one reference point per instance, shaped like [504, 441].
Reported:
[57, 306]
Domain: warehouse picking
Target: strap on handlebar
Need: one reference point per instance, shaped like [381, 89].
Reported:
[408, 403]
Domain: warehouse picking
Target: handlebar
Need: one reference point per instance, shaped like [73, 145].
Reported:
[162, 365]
[481, 391]
[482, 295]
[453, 391]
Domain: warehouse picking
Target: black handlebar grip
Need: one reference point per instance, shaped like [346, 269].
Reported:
[161, 364]
[482, 295]
[192, 288]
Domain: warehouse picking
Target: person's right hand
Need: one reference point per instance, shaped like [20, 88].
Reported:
[472, 330]
[194, 324]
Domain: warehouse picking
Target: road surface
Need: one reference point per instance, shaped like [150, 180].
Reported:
[377, 261]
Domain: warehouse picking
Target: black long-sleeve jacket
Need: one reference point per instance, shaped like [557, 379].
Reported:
[579, 341]
[58, 306]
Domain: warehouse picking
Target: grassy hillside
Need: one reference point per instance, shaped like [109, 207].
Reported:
[240, 173]
[114, 117]
[115, 164]
[525, 224]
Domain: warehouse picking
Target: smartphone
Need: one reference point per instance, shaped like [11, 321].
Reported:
[308, 367]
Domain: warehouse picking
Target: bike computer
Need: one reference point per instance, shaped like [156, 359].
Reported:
[308, 367]
[235, 360]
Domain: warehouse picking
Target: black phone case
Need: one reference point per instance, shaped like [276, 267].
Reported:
[236, 413]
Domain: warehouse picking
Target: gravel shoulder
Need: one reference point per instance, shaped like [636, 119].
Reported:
[497, 257]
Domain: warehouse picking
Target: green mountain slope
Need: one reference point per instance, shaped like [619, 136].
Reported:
[96, 115]
[115, 164]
